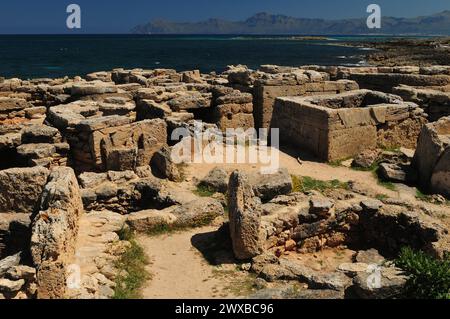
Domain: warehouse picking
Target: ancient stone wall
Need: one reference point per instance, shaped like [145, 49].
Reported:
[436, 103]
[310, 223]
[114, 143]
[385, 82]
[265, 92]
[334, 127]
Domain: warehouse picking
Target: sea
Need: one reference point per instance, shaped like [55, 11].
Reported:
[52, 56]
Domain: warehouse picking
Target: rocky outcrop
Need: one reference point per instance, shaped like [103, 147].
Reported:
[436, 103]
[195, 213]
[199, 212]
[245, 217]
[54, 231]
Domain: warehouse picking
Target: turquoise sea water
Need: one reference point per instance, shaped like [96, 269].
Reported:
[59, 55]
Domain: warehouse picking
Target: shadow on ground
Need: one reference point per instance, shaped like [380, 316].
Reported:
[215, 246]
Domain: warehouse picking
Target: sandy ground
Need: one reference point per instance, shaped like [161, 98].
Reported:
[179, 270]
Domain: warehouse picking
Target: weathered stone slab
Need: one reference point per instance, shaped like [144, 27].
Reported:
[245, 217]
[21, 188]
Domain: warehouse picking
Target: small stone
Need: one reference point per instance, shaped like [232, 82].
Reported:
[393, 172]
[246, 266]
[11, 286]
[290, 245]
[352, 269]
[109, 272]
[380, 283]
[9, 262]
[366, 159]
[268, 186]
[371, 204]
[370, 256]
[32, 289]
[260, 283]
[216, 179]
[320, 206]
[106, 190]
[21, 272]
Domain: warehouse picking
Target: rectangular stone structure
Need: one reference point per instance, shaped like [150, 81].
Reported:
[334, 127]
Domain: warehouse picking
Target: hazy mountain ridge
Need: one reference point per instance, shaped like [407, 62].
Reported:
[265, 23]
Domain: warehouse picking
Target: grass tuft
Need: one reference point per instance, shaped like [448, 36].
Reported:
[306, 183]
[131, 272]
[381, 197]
[164, 228]
[204, 191]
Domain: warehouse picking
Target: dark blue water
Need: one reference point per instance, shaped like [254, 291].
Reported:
[59, 55]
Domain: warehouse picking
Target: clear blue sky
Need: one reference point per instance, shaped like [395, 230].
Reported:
[119, 16]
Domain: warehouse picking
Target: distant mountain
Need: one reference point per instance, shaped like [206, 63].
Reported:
[265, 23]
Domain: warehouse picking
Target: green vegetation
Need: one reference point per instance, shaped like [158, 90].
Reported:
[420, 195]
[240, 284]
[372, 168]
[131, 270]
[381, 197]
[306, 183]
[392, 149]
[338, 163]
[204, 191]
[182, 170]
[164, 228]
[429, 277]
[386, 184]
[423, 197]
[125, 233]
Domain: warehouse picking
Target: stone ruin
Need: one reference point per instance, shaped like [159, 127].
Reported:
[271, 82]
[84, 158]
[340, 126]
[46, 205]
[429, 87]
[266, 232]
[432, 157]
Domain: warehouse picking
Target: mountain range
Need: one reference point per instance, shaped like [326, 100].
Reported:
[275, 24]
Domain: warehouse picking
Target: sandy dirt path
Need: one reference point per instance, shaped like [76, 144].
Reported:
[180, 271]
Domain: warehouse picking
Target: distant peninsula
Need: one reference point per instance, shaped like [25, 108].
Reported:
[274, 24]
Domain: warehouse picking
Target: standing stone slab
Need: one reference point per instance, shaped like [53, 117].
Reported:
[245, 217]
[54, 231]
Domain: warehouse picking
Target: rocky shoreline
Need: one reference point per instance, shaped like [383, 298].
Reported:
[406, 52]
[86, 159]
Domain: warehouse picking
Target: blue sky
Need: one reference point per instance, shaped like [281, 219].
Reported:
[119, 16]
